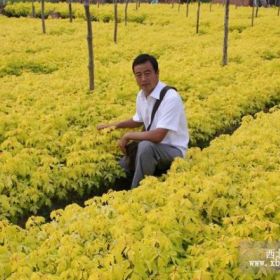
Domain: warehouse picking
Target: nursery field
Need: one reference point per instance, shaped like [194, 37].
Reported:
[227, 188]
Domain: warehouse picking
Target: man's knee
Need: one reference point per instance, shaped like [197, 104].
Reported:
[145, 147]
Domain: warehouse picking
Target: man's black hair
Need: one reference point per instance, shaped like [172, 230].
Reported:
[143, 58]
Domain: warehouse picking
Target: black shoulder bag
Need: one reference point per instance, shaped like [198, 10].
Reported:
[131, 148]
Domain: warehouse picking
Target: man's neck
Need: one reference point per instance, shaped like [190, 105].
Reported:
[149, 93]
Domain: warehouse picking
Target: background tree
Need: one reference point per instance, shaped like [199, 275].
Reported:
[187, 7]
[125, 11]
[137, 4]
[43, 16]
[253, 13]
[225, 48]
[90, 46]
[33, 9]
[198, 16]
[70, 10]
[257, 8]
[116, 20]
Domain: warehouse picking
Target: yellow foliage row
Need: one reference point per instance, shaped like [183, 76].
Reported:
[189, 226]
[103, 13]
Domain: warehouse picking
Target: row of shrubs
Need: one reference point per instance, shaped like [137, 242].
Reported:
[201, 223]
[61, 10]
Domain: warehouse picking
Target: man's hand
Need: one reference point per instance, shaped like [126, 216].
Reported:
[103, 126]
[155, 136]
[123, 142]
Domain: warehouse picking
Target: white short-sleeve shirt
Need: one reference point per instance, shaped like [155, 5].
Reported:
[170, 115]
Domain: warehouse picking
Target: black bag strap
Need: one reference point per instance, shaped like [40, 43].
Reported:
[157, 103]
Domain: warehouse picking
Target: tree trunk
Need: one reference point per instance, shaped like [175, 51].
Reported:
[116, 21]
[125, 11]
[278, 7]
[211, 2]
[253, 13]
[90, 47]
[70, 10]
[257, 11]
[198, 16]
[33, 9]
[179, 5]
[225, 48]
[187, 8]
[43, 16]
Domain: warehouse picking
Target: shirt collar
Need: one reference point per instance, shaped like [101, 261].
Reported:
[156, 92]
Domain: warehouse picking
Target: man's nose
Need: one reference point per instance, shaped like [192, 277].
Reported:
[143, 78]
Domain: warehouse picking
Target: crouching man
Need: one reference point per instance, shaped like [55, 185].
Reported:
[165, 135]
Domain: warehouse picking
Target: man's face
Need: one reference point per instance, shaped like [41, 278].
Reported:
[146, 77]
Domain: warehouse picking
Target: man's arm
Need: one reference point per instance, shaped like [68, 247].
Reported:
[123, 124]
[155, 135]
